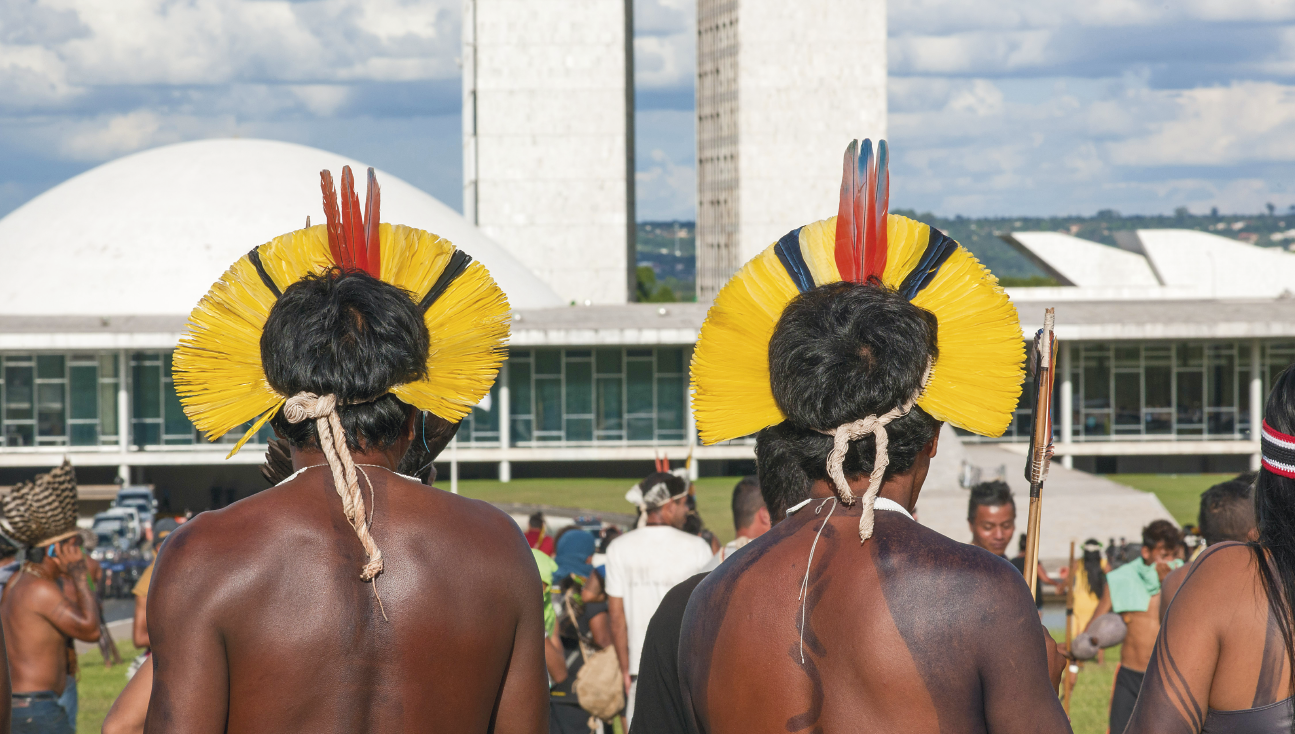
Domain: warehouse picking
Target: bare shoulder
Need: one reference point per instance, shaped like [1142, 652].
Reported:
[918, 552]
[1227, 566]
[35, 594]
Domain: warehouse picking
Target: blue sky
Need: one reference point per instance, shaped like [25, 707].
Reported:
[997, 107]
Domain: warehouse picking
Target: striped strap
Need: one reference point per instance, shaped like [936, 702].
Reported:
[1278, 451]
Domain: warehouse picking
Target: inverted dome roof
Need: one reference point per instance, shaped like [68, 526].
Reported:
[149, 233]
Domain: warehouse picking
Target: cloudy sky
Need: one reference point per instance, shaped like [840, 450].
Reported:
[998, 107]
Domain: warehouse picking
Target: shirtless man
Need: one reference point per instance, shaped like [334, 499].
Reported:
[807, 630]
[261, 615]
[1133, 592]
[39, 620]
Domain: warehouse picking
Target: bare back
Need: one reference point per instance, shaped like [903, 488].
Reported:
[266, 594]
[909, 632]
[1219, 647]
[37, 649]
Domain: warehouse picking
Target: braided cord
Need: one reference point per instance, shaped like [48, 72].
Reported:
[843, 434]
[332, 439]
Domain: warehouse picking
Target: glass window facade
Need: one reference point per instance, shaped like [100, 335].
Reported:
[59, 399]
[1158, 390]
[70, 399]
[593, 396]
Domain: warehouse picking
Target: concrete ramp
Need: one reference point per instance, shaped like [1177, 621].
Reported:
[1076, 505]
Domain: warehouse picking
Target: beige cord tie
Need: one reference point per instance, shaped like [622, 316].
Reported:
[843, 434]
[328, 427]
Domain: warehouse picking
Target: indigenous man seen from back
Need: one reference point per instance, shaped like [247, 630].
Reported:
[1227, 514]
[750, 520]
[645, 563]
[1133, 592]
[40, 621]
[848, 615]
[348, 598]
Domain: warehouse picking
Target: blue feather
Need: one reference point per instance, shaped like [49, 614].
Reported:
[788, 251]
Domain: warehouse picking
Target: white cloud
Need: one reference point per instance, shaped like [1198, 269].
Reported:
[100, 139]
[88, 44]
[665, 44]
[1216, 126]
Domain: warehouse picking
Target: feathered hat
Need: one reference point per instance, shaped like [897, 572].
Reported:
[43, 511]
[218, 371]
[975, 382]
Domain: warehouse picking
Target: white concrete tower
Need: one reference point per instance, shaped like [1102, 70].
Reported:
[548, 114]
[782, 88]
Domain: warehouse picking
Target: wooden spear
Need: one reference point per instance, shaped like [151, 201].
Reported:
[1043, 361]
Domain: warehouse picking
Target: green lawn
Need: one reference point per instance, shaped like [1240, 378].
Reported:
[99, 686]
[1180, 493]
[714, 496]
[1090, 702]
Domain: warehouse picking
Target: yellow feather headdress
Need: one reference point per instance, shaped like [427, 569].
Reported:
[217, 366]
[974, 384]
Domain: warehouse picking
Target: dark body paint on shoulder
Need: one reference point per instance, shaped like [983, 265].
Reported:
[956, 608]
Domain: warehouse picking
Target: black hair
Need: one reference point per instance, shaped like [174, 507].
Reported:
[994, 493]
[747, 501]
[841, 352]
[536, 520]
[432, 434]
[1093, 566]
[1275, 515]
[674, 483]
[350, 335]
[1159, 532]
[1228, 510]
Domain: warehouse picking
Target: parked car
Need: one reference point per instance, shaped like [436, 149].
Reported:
[119, 550]
[141, 499]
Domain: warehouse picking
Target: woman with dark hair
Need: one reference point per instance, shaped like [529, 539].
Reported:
[1224, 657]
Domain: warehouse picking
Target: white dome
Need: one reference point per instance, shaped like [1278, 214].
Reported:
[149, 233]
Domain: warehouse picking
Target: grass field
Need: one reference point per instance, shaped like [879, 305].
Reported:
[1179, 493]
[1091, 699]
[714, 495]
[99, 687]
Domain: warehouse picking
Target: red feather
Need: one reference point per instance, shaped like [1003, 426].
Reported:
[861, 216]
[331, 216]
[878, 211]
[847, 240]
[371, 239]
[353, 223]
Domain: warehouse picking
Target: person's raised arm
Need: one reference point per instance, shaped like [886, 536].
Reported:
[1103, 606]
[190, 669]
[522, 706]
[80, 619]
[1018, 667]
[1175, 692]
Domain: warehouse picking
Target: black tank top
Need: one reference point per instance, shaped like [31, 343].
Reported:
[1275, 718]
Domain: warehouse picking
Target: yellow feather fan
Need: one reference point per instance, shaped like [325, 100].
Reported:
[217, 366]
[975, 383]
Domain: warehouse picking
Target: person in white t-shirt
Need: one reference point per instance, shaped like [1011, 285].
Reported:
[645, 563]
[750, 519]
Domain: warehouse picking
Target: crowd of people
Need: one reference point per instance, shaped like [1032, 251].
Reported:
[349, 597]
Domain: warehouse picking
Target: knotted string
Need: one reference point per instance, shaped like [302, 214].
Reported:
[843, 434]
[328, 428]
